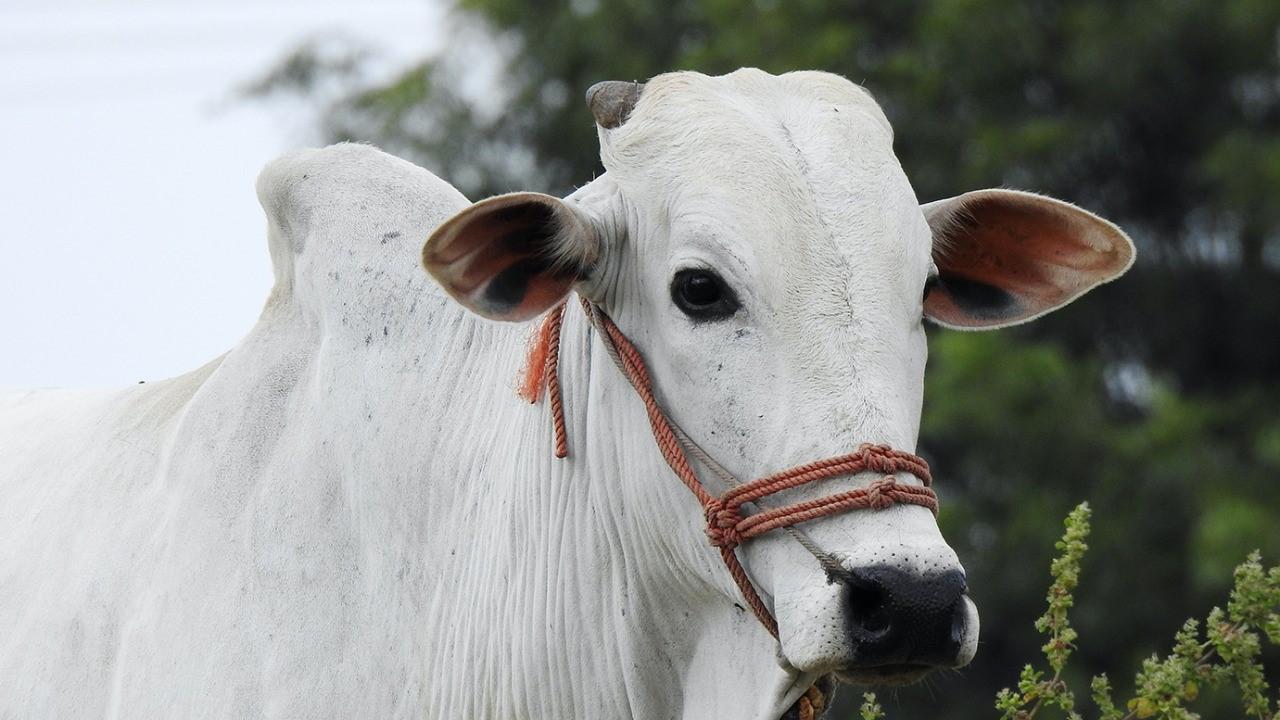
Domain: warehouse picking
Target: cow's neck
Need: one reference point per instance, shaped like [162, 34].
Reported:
[583, 584]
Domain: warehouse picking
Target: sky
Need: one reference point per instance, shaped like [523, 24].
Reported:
[133, 245]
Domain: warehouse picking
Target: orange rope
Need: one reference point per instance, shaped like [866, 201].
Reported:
[533, 378]
[542, 371]
[553, 382]
[727, 527]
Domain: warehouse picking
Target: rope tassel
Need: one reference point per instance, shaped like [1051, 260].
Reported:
[542, 371]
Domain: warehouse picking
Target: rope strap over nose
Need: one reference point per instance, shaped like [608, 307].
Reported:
[727, 525]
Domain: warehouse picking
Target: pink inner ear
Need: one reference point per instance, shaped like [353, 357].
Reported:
[1017, 256]
[479, 251]
[493, 257]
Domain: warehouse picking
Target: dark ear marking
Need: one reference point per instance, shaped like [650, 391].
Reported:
[509, 288]
[980, 300]
[532, 242]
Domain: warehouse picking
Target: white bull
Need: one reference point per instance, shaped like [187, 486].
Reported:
[352, 515]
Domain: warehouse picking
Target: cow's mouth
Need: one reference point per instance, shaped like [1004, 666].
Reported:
[891, 674]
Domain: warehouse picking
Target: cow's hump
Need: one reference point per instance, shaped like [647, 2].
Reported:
[346, 223]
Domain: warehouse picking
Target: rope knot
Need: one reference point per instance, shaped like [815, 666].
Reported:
[880, 493]
[722, 524]
[879, 458]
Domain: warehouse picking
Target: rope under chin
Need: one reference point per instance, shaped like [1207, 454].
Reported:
[727, 525]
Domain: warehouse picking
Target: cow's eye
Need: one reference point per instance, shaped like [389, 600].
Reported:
[702, 295]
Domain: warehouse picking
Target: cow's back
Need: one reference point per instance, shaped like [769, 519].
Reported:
[80, 492]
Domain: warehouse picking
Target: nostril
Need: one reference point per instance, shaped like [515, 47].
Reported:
[868, 607]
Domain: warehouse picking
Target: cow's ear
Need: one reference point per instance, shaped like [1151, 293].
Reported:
[511, 257]
[1005, 257]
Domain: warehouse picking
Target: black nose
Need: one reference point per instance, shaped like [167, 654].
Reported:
[895, 616]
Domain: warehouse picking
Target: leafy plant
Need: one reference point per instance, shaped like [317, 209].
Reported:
[1223, 651]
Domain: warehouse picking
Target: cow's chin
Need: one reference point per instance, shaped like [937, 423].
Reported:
[821, 693]
[810, 698]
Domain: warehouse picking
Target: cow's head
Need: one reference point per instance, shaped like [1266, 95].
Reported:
[756, 237]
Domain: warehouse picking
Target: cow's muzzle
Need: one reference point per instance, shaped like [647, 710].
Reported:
[902, 624]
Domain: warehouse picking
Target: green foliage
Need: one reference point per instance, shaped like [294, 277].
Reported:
[1229, 653]
[1179, 493]
[1033, 689]
[1066, 576]
[871, 709]
[309, 67]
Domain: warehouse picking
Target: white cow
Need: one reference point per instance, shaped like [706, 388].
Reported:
[352, 515]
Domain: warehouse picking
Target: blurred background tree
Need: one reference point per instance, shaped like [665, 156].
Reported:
[1157, 398]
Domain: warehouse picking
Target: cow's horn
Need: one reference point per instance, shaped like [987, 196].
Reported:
[612, 101]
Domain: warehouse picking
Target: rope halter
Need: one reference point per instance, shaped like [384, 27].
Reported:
[727, 524]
